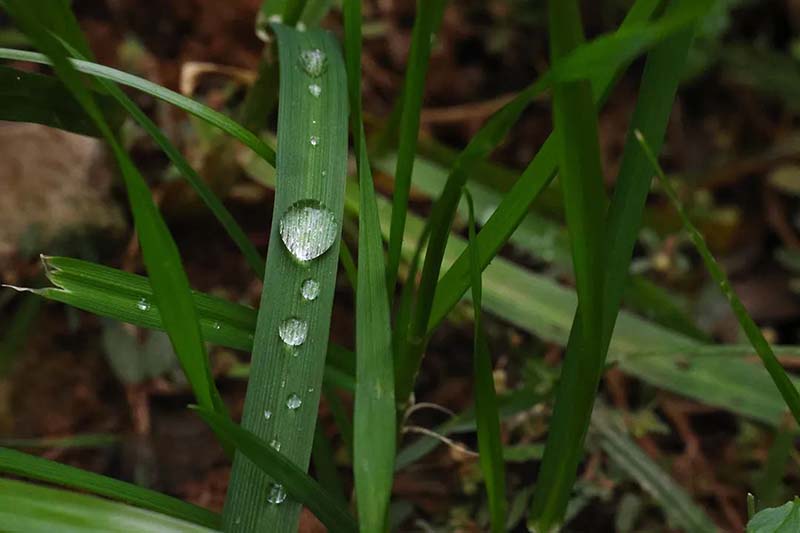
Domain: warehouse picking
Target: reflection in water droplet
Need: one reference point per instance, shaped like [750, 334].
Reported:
[314, 140]
[310, 289]
[267, 414]
[314, 62]
[275, 444]
[315, 90]
[308, 229]
[293, 331]
[293, 402]
[276, 494]
[143, 304]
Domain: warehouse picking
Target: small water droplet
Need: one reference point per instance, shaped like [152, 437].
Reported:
[301, 26]
[216, 325]
[314, 140]
[276, 494]
[293, 402]
[283, 383]
[293, 331]
[308, 229]
[275, 444]
[324, 173]
[238, 520]
[315, 90]
[143, 304]
[310, 289]
[276, 18]
[314, 62]
[267, 414]
[311, 389]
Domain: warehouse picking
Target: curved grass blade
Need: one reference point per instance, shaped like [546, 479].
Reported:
[29, 466]
[486, 410]
[203, 112]
[205, 193]
[29, 508]
[777, 373]
[31, 97]
[286, 378]
[170, 285]
[374, 423]
[429, 14]
[295, 481]
[672, 499]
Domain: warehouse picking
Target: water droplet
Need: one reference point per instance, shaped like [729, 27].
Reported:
[293, 402]
[283, 383]
[275, 444]
[315, 90]
[308, 229]
[293, 331]
[310, 289]
[238, 520]
[143, 304]
[311, 389]
[314, 62]
[324, 173]
[314, 140]
[216, 325]
[276, 494]
[276, 18]
[301, 26]
[267, 414]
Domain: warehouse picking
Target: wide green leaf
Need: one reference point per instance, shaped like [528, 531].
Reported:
[783, 519]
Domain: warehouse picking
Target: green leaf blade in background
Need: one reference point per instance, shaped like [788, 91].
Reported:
[312, 131]
[374, 422]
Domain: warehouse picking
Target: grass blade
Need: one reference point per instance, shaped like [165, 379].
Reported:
[29, 466]
[374, 424]
[170, 285]
[429, 14]
[574, 398]
[26, 508]
[672, 499]
[293, 480]
[486, 411]
[777, 373]
[203, 112]
[311, 170]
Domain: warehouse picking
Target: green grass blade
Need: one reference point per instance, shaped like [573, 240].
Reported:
[29, 508]
[312, 167]
[574, 398]
[31, 97]
[672, 499]
[487, 414]
[29, 466]
[86, 440]
[374, 424]
[203, 112]
[294, 481]
[205, 193]
[770, 483]
[428, 15]
[170, 285]
[777, 373]
[578, 147]
[325, 466]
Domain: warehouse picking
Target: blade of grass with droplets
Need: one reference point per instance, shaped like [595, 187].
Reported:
[486, 411]
[580, 169]
[428, 14]
[763, 349]
[170, 285]
[293, 324]
[29, 466]
[294, 481]
[26, 507]
[193, 107]
[673, 500]
[374, 423]
[205, 193]
[575, 395]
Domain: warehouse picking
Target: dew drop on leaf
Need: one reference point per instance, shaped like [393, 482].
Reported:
[310, 289]
[276, 494]
[143, 305]
[308, 229]
[314, 62]
[315, 90]
[293, 331]
[293, 402]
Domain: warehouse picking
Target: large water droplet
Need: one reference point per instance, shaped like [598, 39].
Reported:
[276, 494]
[314, 140]
[308, 229]
[293, 402]
[143, 304]
[275, 444]
[314, 62]
[267, 414]
[315, 90]
[310, 289]
[293, 331]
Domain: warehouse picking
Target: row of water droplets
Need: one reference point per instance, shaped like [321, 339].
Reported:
[308, 229]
